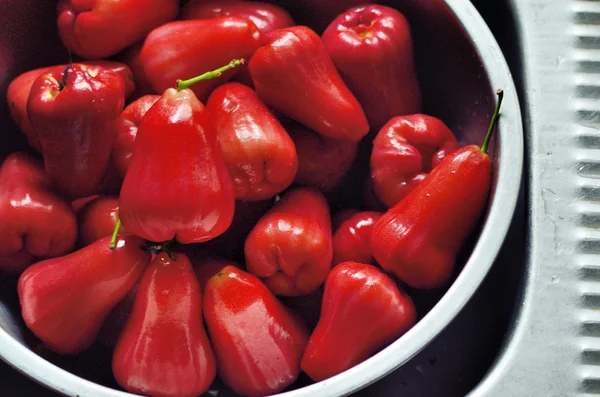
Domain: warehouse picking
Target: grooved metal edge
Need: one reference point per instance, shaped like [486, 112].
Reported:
[554, 347]
[586, 30]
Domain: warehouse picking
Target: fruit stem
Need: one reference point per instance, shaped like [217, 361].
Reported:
[183, 84]
[495, 116]
[166, 246]
[63, 80]
[113, 240]
[65, 73]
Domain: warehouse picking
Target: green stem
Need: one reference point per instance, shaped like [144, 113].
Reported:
[183, 84]
[495, 117]
[113, 240]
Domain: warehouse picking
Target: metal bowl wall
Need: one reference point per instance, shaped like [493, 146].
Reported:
[460, 66]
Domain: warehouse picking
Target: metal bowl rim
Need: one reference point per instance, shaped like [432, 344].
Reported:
[510, 141]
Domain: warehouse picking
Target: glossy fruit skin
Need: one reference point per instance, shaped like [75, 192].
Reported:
[121, 69]
[95, 29]
[16, 97]
[362, 311]
[259, 153]
[371, 46]
[35, 222]
[164, 350]
[20, 87]
[206, 264]
[322, 162]
[258, 342]
[177, 184]
[315, 95]
[76, 126]
[98, 219]
[65, 300]
[267, 17]
[404, 151]
[290, 248]
[352, 240]
[185, 49]
[127, 128]
[418, 239]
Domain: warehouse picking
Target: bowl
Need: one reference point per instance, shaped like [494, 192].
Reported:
[460, 66]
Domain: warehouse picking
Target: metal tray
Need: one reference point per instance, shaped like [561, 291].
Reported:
[554, 345]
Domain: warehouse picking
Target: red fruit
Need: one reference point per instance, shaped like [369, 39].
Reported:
[97, 219]
[266, 17]
[290, 247]
[259, 153]
[205, 263]
[293, 73]
[118, 67]
[418, 238]
[164, 350]
[322, 162]
[35, 222]
[371, 46]
[96, 29]
[352, 240]
[177, 184]
[19, 89]
[183, 49]
[65, 300]
[405, 150]
[363, 311]
[127, 129]
[16, 97]
[75, 120]
[257, 341]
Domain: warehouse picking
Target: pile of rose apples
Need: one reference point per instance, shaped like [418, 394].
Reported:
[213, 190]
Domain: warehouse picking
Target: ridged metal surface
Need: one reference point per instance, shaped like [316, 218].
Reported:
[586, 58]
[554, 349]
